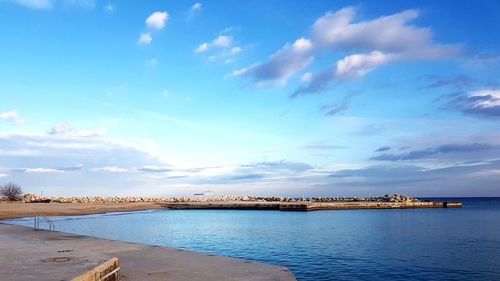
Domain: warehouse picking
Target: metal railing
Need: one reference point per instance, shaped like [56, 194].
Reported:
[36, 224]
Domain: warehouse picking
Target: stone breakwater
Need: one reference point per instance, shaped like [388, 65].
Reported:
[32, 198]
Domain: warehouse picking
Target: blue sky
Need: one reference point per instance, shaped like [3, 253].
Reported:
[287, 98]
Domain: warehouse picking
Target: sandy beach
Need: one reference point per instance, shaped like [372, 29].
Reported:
[11, 210]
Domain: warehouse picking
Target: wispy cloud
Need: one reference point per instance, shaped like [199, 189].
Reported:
[87, 4]
[459, 81]
[112, 169]
[145, 38]
[154, 168]
[109, 8]
[323, 146]
[431, 152]
[202, 48]
[152, 62]
[60, 129]
[383, 148]
[482, 103]
[41, 170]
[221, 48]
[65, 129]
[11, 117]
[221, 41]
[194, 11]
[36, 4]
[49, 4]
[281, 65]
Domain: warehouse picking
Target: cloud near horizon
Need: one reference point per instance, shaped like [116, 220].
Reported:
[431, 152]
[11, 117]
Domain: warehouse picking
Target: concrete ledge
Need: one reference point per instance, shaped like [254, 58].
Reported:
[50, 255]
[107, 271]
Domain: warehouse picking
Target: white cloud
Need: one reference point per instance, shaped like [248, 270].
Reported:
[202, 48]
[145, 39]
[41, 170]
[36, 4]
[235, 50]
[12, 117]
[486, 98]
[193, 11]
[3, 175]
[222, 49]
[222, 41]
[196, 6]
[372, 43]
[112, 169]
[350, 67]
[357, 65]
[388, 34]
[157, 20]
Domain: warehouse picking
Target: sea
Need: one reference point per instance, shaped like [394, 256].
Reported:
[403, 244]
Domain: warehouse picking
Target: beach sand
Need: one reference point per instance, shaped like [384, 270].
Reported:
[11, 210]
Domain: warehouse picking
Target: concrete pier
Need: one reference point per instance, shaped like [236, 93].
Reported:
[309, 206]
[48, 255]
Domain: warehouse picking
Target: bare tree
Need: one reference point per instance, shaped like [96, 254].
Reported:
[11, 191]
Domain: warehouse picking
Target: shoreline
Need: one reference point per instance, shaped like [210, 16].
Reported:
[13, 210]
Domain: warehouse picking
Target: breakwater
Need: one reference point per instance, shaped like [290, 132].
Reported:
[396, 198]
[256, 203]
[308, 206]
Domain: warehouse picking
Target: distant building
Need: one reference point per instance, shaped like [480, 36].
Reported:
[209, 194]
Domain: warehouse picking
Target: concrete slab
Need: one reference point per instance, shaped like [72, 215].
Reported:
[48, 255]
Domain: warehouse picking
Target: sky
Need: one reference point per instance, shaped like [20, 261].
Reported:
[269, 98]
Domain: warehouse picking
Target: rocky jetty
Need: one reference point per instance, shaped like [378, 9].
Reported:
[33, 198]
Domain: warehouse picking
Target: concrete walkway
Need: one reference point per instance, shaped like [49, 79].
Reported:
[43, 255]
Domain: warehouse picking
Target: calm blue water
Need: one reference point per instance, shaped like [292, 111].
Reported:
[414, 244]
